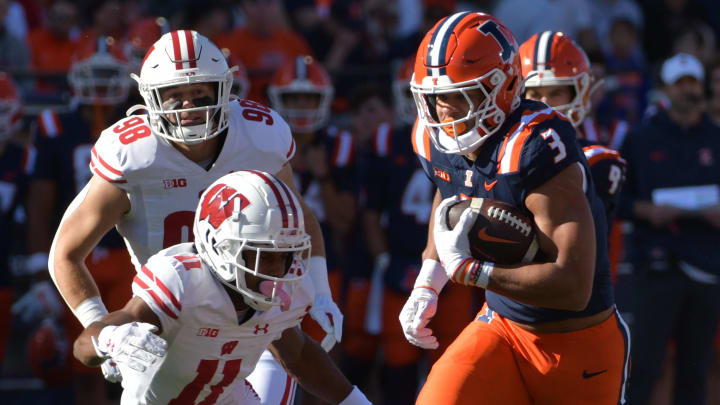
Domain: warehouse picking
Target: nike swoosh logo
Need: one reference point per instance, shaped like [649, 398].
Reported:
[484, 236]
[590, 375]
[489, 187]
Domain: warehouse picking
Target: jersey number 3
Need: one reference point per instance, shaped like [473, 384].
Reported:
[555, 143]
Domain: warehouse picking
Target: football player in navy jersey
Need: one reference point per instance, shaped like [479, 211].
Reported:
[16, 164]
[99, 79]
[549, 331]
[396, 214]
[564, 82]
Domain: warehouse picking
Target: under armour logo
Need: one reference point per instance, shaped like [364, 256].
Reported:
[264, 329]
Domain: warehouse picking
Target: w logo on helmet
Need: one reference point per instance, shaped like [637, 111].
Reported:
[217, 204]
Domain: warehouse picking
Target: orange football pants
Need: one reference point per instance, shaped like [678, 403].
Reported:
[494, 361]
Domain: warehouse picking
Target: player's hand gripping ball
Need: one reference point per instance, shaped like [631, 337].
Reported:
[502, 233]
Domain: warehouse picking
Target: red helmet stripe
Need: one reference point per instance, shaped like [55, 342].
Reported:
[288, 193]
[176, 50]
[278, 197]
[190, 48]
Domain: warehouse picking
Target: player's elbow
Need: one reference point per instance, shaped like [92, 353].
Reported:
[578, 293]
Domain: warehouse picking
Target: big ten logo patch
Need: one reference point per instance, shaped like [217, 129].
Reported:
[209, 332]
[174, 183]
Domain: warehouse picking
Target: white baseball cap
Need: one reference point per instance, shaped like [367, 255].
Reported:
[680, 65]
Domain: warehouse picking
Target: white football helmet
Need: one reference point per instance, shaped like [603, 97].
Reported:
[251, 210]
[99, 74]
[180, 58]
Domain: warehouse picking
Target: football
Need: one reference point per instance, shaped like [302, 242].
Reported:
[502, 233]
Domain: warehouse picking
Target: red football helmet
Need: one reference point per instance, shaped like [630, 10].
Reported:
[141, 37]
[100, 73]
[10, 108]
[554, 59]
[405, 109]
[302, 75]
[461, 53]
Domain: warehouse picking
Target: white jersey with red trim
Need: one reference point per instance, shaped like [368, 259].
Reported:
[209, 353]
[164, 186]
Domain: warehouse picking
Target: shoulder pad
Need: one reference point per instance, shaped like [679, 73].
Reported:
[265, 128]
[596, 153]
[160, 284]
[49, 124]
[110, 154]
[517, 137]
[382, 140]
[343, 150]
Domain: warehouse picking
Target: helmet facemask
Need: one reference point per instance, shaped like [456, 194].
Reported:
[162, 114]
[271, 291]
[577, 109]
[462, 135]
[100, 79]
[302, 120]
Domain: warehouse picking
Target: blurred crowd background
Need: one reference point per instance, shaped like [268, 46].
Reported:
[70, 63]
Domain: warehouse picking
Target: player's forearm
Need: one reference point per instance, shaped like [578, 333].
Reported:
[73, 280]
[545, 285]
[318, 374]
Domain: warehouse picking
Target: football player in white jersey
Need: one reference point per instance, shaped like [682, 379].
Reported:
[150, 169]
[215, 305]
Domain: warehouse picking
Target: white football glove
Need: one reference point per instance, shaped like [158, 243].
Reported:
[111, 371]
[324, 311]
[130, 345]
[327, 314]
[453, 247]
[415, 315]
[40, 301]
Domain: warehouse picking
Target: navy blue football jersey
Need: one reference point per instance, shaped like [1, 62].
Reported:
[16, 165]
[534, 144]
[397, 188]
[608, 173]
[64, 143]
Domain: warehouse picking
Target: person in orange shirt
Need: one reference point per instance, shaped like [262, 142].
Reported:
[53, 46]
[264, 44]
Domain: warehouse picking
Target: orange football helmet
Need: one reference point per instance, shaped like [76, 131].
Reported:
[302, 75]
[100, 73]
[141, 37]
[405, 109]
[554, 59]
[10, 108]
[467, 52]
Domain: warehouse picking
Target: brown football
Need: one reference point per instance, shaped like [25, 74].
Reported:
[502, 233]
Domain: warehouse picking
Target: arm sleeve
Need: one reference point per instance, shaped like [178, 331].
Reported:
[160, 284]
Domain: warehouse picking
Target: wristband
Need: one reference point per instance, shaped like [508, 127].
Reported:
[319, 276]
[90, 310]
[474, 273]
[355, 397]
[432, 275]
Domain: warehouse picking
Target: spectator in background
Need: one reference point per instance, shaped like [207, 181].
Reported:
[697, 39]
[14, 55]
[674, 246]
[54, 45]
[15, 21]
[713, 86]
[628, 81]
[264, 44]
[665, 21]
[105, 21]
[210, 18]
